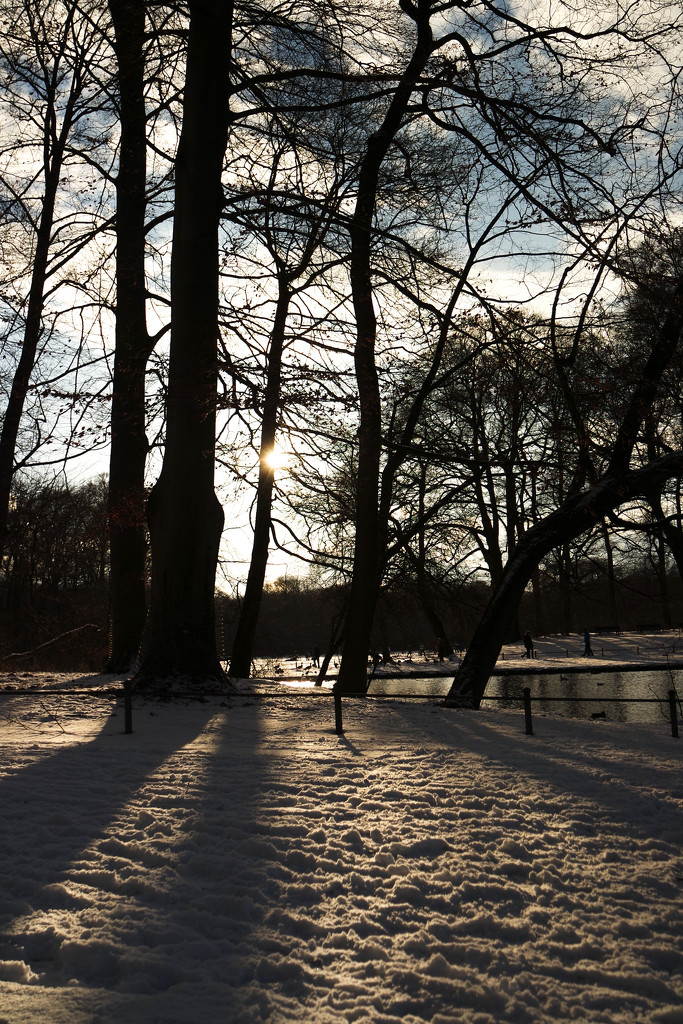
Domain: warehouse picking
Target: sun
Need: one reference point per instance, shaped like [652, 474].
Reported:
[276, 459]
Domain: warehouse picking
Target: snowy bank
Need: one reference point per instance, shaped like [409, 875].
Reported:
[235, 861]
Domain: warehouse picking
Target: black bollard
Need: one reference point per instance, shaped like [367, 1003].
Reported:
[338, 714]
[673, 713]
[527, 711]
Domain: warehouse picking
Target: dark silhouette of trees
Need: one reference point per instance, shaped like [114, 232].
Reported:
[362, 208]
[57, 539]
[51, 81]
[299, 208]
[537, 138]
[610, 485]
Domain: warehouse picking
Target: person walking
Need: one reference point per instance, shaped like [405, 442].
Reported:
[528, 644]
[587, 649]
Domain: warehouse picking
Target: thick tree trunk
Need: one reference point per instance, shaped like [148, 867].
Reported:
[127, 530]
[577, 515]
[185, 516]
[243, 646]
[366, 564]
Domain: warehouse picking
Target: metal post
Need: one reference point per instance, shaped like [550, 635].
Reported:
[673, 713]
[527, 711]
[128, 705]
[338, 714]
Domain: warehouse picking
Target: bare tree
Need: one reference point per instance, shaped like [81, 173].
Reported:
[185, 517]
[128, 451]
[51, 78]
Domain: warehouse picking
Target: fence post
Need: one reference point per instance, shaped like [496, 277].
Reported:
[128, 705]
[338, 714]
[527, 711]
[673, 713]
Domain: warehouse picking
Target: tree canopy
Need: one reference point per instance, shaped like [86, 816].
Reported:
[429, 252]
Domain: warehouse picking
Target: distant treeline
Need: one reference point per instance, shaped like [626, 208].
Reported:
[72, 621]
[295, 619]
[54, 595]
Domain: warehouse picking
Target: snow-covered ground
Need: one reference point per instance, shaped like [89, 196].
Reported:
[555, 652]
[234, 861]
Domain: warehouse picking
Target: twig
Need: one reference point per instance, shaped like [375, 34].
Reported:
[40, 647]
[53, 717]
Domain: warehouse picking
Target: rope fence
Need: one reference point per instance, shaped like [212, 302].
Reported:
[126, 691]
[526, 699]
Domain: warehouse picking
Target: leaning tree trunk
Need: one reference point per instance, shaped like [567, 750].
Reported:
[243, 645]
[336, 634]
[185, 516]
[127, 530]
[577, 515]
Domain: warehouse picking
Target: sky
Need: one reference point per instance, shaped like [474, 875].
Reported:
[235, 860]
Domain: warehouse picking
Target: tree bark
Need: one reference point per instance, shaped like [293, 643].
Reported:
[577, 515]
[127, 531]
[185, 517]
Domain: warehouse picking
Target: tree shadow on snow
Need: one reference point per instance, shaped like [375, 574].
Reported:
[71, 786]
[572, 760]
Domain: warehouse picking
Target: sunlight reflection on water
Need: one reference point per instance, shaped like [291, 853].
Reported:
[556, 693]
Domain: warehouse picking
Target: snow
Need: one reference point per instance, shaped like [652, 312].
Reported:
[236, 861]
[558, 652]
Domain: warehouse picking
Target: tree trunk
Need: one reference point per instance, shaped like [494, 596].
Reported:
[663, 578]
[613, 618]
[336, 634]
[565, 566]
[243, 645]
[670, 531]
[539, 614]
[185, 516]
[369, 544]
[421, 580]
[577, 515]
[127, 533]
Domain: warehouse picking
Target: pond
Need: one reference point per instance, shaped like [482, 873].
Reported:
[554, 692]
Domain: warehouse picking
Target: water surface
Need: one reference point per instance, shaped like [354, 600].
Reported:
[600, 693]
